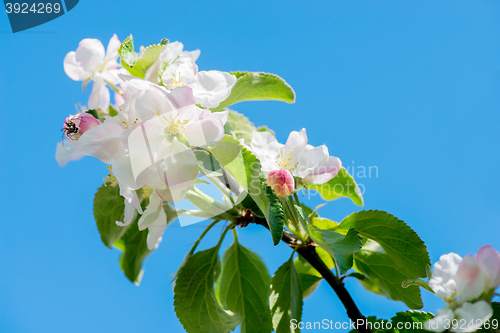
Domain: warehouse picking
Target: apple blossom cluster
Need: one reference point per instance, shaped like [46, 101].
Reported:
[149, 136]
[467, 285]
[167, 133]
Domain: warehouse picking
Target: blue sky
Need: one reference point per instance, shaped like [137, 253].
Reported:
[411, 88]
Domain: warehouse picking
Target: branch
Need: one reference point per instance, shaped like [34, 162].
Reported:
[308, 252]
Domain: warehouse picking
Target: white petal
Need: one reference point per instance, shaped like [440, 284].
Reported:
[152, 211]
[471, 316]
[174, 50]
[441, 321]
[180, 168]
[309, 160]
[90, 54]
[156, 230]
[206, 130]
[66, 151]
[113, 46]
[182, 72]
[323, 173]
[296, 143]
[443, 276]
[212, 87]
[73, 69]
[182, 97]
[99, 97]
[103, 142]
[151, 103]
[192, 54]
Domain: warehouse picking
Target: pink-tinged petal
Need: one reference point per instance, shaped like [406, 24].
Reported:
[206, 131]
[182, 97]
[113, 46]
[212, 87]
[489, 261]
[470, 279]
[443, 276]
[179, 169]
[103, 142]
[324, 173]
[310, 160]
[132, 204]
[441, 322]
[66, 151]
[99, 97]
[90, 54]
[295, 144]
[474, 315]
[73, 69]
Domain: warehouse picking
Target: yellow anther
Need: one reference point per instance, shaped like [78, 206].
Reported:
[110, 179]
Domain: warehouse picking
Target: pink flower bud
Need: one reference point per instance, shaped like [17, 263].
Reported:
[75, 126]
[489, 261]
[281, 181]
[470, 279]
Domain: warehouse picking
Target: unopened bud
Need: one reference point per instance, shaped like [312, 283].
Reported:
[281, 181]
[75, 126]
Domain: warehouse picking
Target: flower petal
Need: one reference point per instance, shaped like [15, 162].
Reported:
[441, 321]
[99, 98]
[489, 260]
[103, 142]
[66, 151]
[212, 87]
[470, 280]
[473, 315]
[179, 168]
[324, 173]
[73, 69]
[90, 54]
[443, 276]
[113, 46]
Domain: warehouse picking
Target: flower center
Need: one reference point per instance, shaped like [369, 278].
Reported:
[285, 161]
[147, 191]
[175, 82]
[175, 126]
[110, 179]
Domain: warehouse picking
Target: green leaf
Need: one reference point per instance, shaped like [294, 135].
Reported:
[411, 321]
[245, 168]
[138, 65]
[243, 288]
[134, 250]
[286, 297]
[276, 218]
[194, 298]
[339, 246]
[93, 112]
[257, 87]
[239, 126]
[398, 240]
[109, 207]
[417, 282]
[323, 223]
[383, 272]
[342, 185]
[309, 276]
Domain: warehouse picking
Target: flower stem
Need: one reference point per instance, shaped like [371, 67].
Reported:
[207, 229]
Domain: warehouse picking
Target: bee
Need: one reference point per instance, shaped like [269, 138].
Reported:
[70, 129]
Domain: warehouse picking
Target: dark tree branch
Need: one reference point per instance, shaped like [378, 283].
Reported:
[308, 252]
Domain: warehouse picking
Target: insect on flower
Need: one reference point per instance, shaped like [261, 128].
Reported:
[75, 126]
